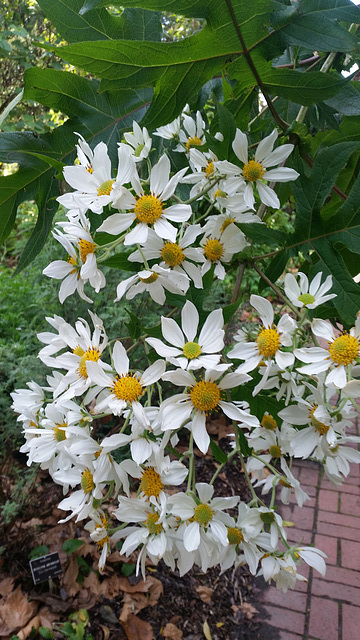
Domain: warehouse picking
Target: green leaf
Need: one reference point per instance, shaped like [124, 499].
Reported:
[121, 261]
[302, 88]
[127, 569]
[218, 454]
[69, 546]
[263, 233]
[99, 24]
[97, 118]
[46, 633]
[313, 24]
[42, 550]
[324, 239]
[134, 325]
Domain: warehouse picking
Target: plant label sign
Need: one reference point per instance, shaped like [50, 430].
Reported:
[45, 567]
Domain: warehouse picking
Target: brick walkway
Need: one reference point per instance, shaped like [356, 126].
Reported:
[324, 608]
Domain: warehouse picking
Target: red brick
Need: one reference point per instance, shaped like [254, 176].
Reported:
[350, 554]
[328, 500]
[309, 476]
[324, 616]
[303, 517]
[329, 546]
[350, 485]
[343, 576]
[340, 519]
[290, 600]
[335, 591]
[285, 619]
[337, 532]
[350, 503]
[297, 535]
[350, 622]
[285, 635]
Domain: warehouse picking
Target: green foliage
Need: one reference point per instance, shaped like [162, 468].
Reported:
[69, 546]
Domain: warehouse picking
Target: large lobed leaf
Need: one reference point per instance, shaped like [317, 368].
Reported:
[323, 240]
[178, 70]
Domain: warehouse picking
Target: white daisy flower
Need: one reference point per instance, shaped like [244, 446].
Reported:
[187, 352]
[269, 341]
[222, 248]
[193, 132]
[301, 295]
[204, 396]
[98, 529]
[203, 513]
[242, 534]
[174, 255]
[153, 534]
[254, 172]
[140, 142]
[154, 281]
[126, 388]
[149, 208]
[91, 179]
[81, 266]
[169, 131]
[342, 352]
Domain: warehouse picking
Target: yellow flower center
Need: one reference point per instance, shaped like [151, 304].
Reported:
[234, 535]
[154, 276]
[203, 514]
[209, 169]
[90, 354]
[205, 396]
[191, 350]
[127, 388]
[59, 432]
[226, 223]
[151, 523]
[78, 351]
[306, 298]
[172, 254]
[320, 427]
[193, 142]
[253, 171]
[89, 168]
[275, 451]
[219, 193]
[344, 349]
[268, 422]
[105, 539]
[213, 249]
[268, 342]
[105, 188]
[151, 484]
[72, 261]
[87, 481]
[148, 209]
[86, 247]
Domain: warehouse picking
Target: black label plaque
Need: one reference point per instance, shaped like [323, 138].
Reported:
[45, 567]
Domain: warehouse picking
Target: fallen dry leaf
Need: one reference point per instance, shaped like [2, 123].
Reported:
[137, 629]
[172, 632]
[248, 610]
[93, 583]
[71, 572]
[16, 611]
[204, 593]
[6, 586]
[206, 631]
[24, 633]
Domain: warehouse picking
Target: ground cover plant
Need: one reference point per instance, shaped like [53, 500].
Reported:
[231, 152]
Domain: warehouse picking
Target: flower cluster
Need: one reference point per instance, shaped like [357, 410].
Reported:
[162, 512]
